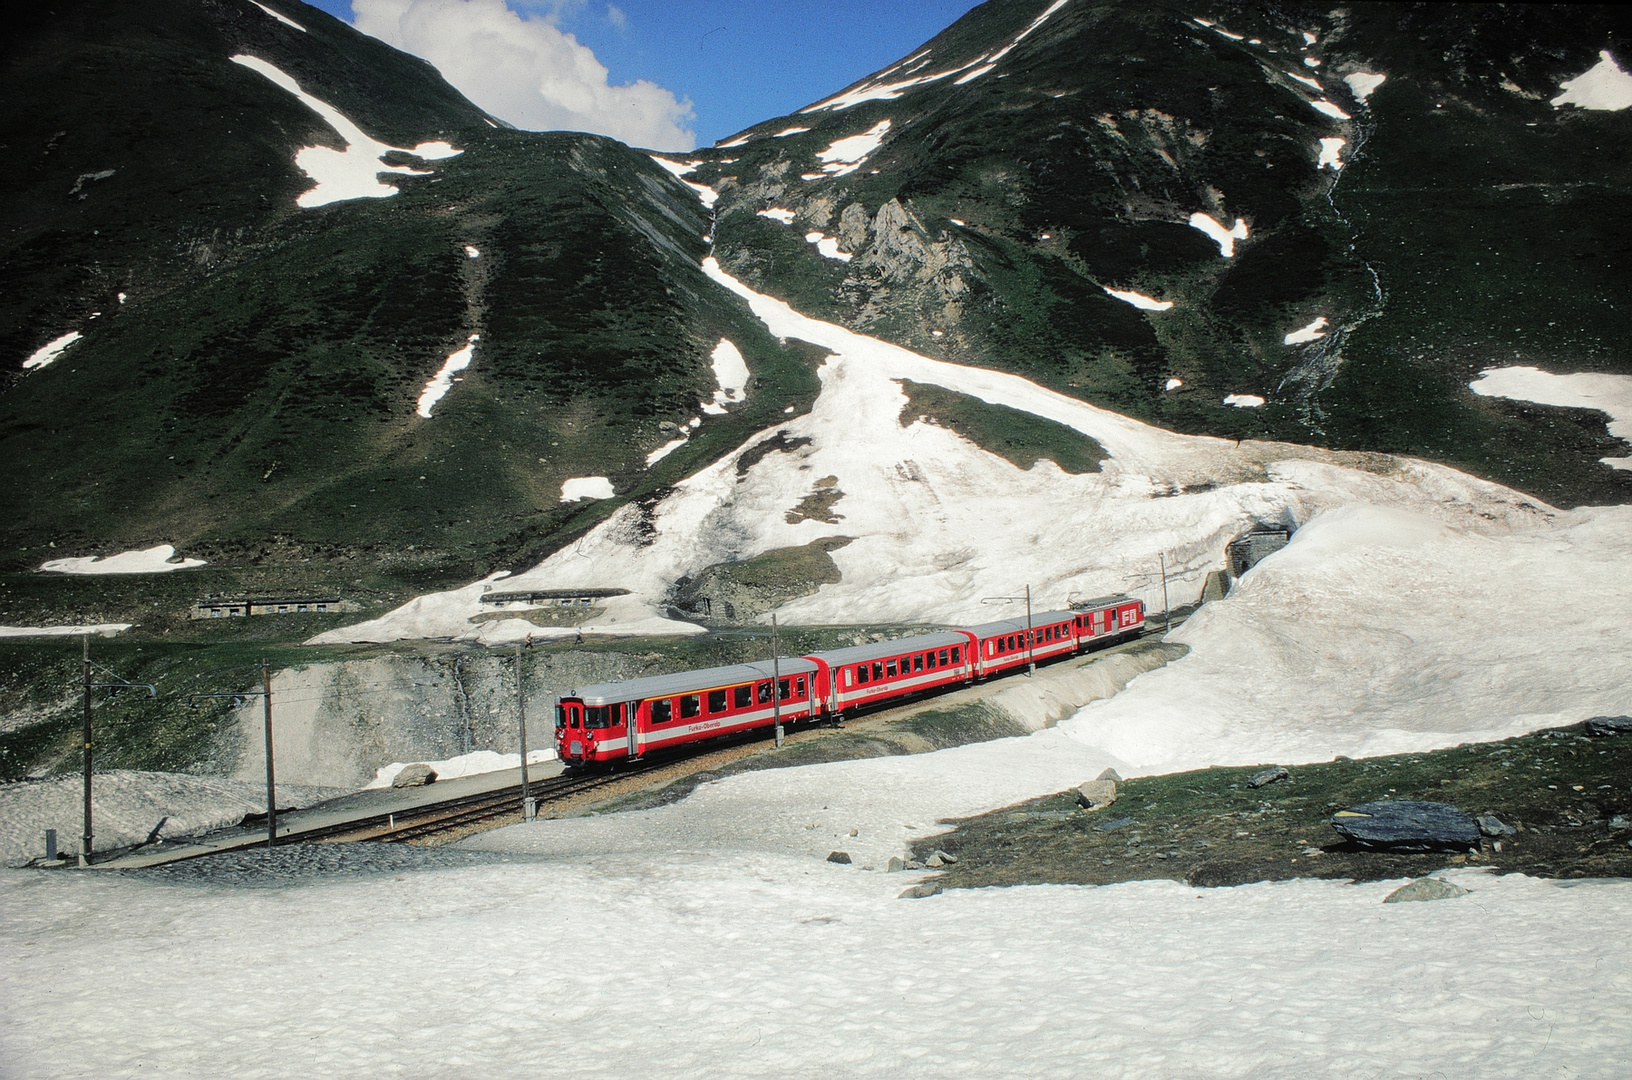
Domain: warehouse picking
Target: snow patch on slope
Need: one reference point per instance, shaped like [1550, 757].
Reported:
[1306, 334]
[475, 763]
[1603, 86]
[828, 246]
[153, 560]
[1138, 300]
[102, 629]
[1609, 394]
[1224, 238]
[351, 173]
[586, 487]
[284, 19]
[845, 155]
[443, 380]
[1362, 83]
[50, 350]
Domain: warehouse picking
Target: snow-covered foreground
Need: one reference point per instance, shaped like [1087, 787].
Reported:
[474, 763]
[692, 964]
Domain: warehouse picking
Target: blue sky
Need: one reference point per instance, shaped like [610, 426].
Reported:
[740, 63]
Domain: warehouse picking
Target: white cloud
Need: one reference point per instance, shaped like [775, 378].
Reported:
[527, 71]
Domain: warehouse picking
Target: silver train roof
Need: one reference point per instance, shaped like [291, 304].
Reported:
[1013, 626]
[878, 650]
[686, 682]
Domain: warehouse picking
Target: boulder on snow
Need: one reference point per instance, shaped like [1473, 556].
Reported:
[918, 892]
[1491, 825]
[1428, 888]
[415, 776]
[1269, 776]
[839, 857]
[897, 864]
[1407, 825]
[1109, 774]
[1610, 725]
[1096, 794]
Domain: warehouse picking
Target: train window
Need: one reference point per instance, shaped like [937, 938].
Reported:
[989, 649]
[954, 654]
[690, 705]
[560, 718]
[595, 717]
[662, 711]
[764, 693]
[782, 690]
[918, 662]
[861, 673]
[849, 677]
[878, 670]
[799, 686]
[742, 696]
[944, 659]
[716, 701]
[889, 669]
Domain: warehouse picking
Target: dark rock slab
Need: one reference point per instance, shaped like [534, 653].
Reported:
[1407, 825]
[414, 776]
[839, 857]
[1107, 826]
[1269, 776]
[1491, 825]
[1609, 725]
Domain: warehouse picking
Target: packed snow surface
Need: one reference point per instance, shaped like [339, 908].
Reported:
[1329, 149]
[1362, 83]
[742, 966]
[284, 19]
[1610, 394]
[128, 808]
[1304, 335]
[351, 173]
[1244, 401]
[1603, 86]
[586, 487]
[1138, 300]
[845, 155]
[665, 450]
[1224, 238]
[160, 559]
[1310, 83]
[472, 764]
[777, 213]
[51, 350]
[443, 380]
[104, 629]
[1324, 106]
[828, 246]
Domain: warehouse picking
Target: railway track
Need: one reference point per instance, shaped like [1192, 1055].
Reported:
[428, 821]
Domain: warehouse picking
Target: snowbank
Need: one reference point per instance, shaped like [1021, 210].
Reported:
[1603, 86]
[1224, 238]
[104, 629]
[51, 350]
[129, 807]
[160, 559]
[586, 487]
[443, 380]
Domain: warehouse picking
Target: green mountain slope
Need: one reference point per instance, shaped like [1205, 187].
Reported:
[1472, 223]
[256, 389]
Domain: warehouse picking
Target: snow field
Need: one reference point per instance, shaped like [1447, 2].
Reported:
[154, 560]
[1609, 394]
[350, 173]
[764, 966]
[1329, 109]
[1362, 83]
[777, 213]
[1329, 149]
[1603, 86]
[1244, 401]
[1314, 331]
[828, 246]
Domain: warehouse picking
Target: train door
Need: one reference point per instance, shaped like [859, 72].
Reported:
[632, 715]
[570, 718]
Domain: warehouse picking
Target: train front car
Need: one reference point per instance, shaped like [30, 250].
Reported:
[1107, 617]
[866, 675]
[1003, 646]
[619, 721]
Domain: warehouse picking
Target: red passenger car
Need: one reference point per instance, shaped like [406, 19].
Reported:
[866, 675]
[614, 721]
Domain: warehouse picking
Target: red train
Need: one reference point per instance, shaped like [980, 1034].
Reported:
[617, 721]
